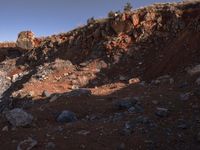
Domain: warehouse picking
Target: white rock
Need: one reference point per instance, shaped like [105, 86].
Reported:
[75, 87]
[5, 129]
[14, 77]
[194, 70]
[54, 98]
[134, 81]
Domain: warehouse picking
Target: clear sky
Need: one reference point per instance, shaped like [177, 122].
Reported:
[46, 17]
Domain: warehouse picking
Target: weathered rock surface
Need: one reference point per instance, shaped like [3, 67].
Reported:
[25, 40]
[18, 117]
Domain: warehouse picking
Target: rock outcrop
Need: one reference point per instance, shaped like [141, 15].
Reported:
[138, 33]
[25, 40]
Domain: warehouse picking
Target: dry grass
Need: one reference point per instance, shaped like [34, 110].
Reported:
[7, 44]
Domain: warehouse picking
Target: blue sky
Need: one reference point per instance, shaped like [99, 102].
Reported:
[46, 17]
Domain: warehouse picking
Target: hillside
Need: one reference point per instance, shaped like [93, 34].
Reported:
[128, 81]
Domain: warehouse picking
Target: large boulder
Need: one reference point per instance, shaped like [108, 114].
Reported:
[26, 40]
[18, 117]
[66, 117]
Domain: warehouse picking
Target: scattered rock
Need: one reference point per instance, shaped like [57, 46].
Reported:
[194, 70]
[27, 144]
[185, 96]
[93, 117]
[183, 124]
[163, 79]
[134, 81]
[75, 87]
[125, 103]
[136, 109]
[142, 120]
[132, 124]
[128, 128]
[84, 64]
[20, 94]
[80, 92]
[198, 81]
[54, 98]
[155, 82]
[116, 117]
[31, 94]
[50, 146]
[5, 129]
[66, 117]
[18, 117]
[15, 77]
[46, 94]
[83, 132]
[162, 112]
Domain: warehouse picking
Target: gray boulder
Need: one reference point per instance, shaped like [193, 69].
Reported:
[18, 117]
[66, 117]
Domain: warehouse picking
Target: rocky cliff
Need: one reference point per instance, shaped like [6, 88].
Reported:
[147, 35]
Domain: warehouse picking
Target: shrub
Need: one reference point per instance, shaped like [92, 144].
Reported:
[128, 7]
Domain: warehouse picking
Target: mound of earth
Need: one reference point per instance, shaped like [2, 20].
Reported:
[129, 81]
